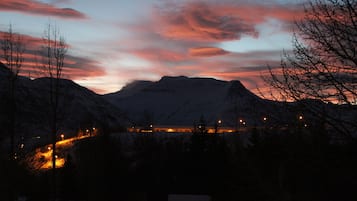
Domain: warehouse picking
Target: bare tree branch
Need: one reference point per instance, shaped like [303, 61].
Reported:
[13, 48]
[323, 65]
[54, 50]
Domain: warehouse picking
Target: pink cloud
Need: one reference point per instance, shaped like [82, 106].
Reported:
[257, 13]
[38, 8]
[74, 67]
[159, 54]
[79, 69]
[201, 22]
[206, 51]
[183, 38]
[207, 21]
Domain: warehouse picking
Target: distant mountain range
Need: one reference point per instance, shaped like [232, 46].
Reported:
[170, 101]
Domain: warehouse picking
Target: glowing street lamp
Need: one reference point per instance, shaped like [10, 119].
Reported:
[62, 136]
[300, 117]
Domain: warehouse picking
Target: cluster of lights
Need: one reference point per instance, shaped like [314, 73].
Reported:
[90, 130]
[241, 121]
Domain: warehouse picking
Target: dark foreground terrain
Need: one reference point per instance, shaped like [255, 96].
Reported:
[273, 165]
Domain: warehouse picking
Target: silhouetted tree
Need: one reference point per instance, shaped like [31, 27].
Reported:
[323, 64]
[13, 47]
[53, 54]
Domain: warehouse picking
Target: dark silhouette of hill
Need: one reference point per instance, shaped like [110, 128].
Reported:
[80, 108]
[170, 101]
[182, 101]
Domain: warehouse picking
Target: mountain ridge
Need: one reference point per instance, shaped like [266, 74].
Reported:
[79, 108]
[172, 100]
[180, 100]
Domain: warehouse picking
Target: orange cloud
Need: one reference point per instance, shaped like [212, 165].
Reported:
[29, 41]
[206, 51]
[201, 22]
[159, 54]
[79, 70]
[257, 13]
[74, 67]
[38, 8]
[219, 21]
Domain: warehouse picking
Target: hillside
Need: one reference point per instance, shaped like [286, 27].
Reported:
[183, 101]
[180, 101]
[80, 108]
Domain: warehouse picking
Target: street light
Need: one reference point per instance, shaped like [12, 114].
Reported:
[62, 136]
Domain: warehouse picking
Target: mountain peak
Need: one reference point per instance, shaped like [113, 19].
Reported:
[172, 78]
[237, 89]
[181, 100]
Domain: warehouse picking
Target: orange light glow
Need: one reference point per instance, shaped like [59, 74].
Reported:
[48, 165]
[42, 157]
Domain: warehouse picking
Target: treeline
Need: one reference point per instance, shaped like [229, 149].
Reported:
[272, 165]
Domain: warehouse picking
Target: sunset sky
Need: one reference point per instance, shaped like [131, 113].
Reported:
[113, 42]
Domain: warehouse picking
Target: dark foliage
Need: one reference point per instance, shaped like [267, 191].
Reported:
[299, 164]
